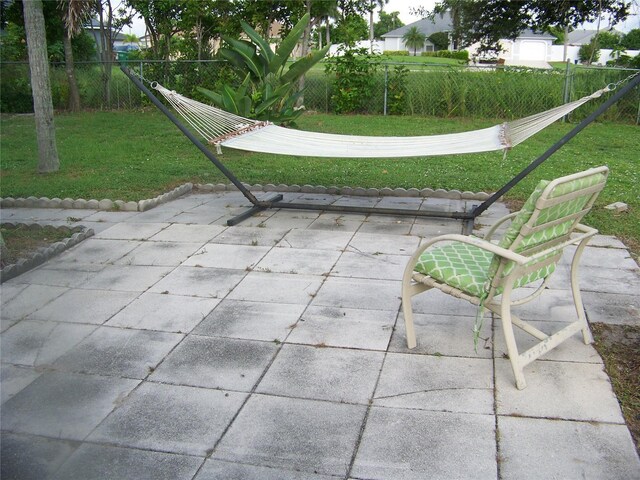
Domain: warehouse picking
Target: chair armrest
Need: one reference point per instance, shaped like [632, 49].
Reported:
[495, 226]
[587, 233]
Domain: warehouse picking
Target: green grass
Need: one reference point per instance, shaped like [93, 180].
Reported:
[136, 155]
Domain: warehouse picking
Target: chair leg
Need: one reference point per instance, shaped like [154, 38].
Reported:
[409, 291]
[510, 339]
[587, 337]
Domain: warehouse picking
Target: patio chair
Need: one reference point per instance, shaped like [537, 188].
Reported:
[486, 273]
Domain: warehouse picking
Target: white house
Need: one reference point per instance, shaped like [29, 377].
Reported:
[393, 39]
[529, 49]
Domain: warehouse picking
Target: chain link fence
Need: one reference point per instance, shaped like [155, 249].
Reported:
[409, 88]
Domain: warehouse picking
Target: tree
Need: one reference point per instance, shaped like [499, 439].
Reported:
[161, 18]
[488, 21]
[131, 38]
[350, 29]
[609, 40]
[414, 38]
[631, 40]
[74, 14]
[440, 40]
[372, 6]
[387, 23]
[589, 52]
[41, 87]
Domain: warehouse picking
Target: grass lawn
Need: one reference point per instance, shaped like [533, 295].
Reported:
[136, 155]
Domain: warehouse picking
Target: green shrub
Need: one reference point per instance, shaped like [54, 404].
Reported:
[355, 79]
[589, 53]
[397, 90]
[400, 53]
[455, 54]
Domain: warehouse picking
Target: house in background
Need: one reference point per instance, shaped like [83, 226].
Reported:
[393, 39]
[93, 29]
[530, 49]
[584, 37]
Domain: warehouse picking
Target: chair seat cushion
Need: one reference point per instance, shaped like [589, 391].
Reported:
[460, 265]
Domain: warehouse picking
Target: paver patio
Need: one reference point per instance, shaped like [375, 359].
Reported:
[170, 346]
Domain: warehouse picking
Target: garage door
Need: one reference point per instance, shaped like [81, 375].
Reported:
[531, 50]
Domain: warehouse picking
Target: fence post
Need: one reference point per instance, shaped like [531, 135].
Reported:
[386, 82]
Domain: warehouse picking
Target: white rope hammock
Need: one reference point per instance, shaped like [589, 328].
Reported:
[222, 128]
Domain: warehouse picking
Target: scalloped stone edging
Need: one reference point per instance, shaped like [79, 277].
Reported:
[106, 204]
[358, 191]
[41, 255]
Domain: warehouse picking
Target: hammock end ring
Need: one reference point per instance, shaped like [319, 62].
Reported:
[154, 85]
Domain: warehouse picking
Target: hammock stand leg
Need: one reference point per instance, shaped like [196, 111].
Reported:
[257, 204]
[554, 148]
[275, 201]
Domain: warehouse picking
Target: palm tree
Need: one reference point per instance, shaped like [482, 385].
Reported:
[131, 38]
[372, 7]
[414, 38]
[74, 14]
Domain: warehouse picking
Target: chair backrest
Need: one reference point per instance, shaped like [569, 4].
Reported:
[547, 220]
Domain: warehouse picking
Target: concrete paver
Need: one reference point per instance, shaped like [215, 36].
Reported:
[212, 362]
[250, 320]
[538, 448]
[306, 435]
[94, 462]
[344, 327]
[438, 383]
[435, 445]
[173, 346]
[167, 313]
[170, 418]
[119, 352]
[322, 373]
[64, 405]
[29, 456]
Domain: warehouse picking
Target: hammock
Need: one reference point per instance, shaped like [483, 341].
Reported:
[221, 128]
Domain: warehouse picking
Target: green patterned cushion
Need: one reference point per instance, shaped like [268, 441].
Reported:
[459, 265]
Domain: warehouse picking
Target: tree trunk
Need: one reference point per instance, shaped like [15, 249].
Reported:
[327, 32]
[74, 93]
[305, 50]
[40, 86]
[565, 50]
[107, 51]
[371, 29]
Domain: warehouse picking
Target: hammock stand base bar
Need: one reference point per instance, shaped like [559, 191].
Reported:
[468, 217]
[275, 202]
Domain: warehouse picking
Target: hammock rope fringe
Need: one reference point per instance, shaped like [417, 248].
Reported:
[221, 128]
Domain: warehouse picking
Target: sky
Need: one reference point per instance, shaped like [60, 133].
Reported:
[403, 6]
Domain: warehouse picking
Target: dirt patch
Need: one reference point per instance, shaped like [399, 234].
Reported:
[619, 347]
[21, 241]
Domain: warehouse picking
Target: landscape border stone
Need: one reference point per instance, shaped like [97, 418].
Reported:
[93, 204]
[41, 255]
[149, 203]
[355, 191]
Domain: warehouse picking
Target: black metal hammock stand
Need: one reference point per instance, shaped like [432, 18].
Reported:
[468, 216]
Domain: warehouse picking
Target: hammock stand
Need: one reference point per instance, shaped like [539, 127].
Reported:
[467, 216]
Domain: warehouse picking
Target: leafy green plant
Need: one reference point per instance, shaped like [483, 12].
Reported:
[355, 78]
[269, 83]
[589, 53]
[397, 90]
